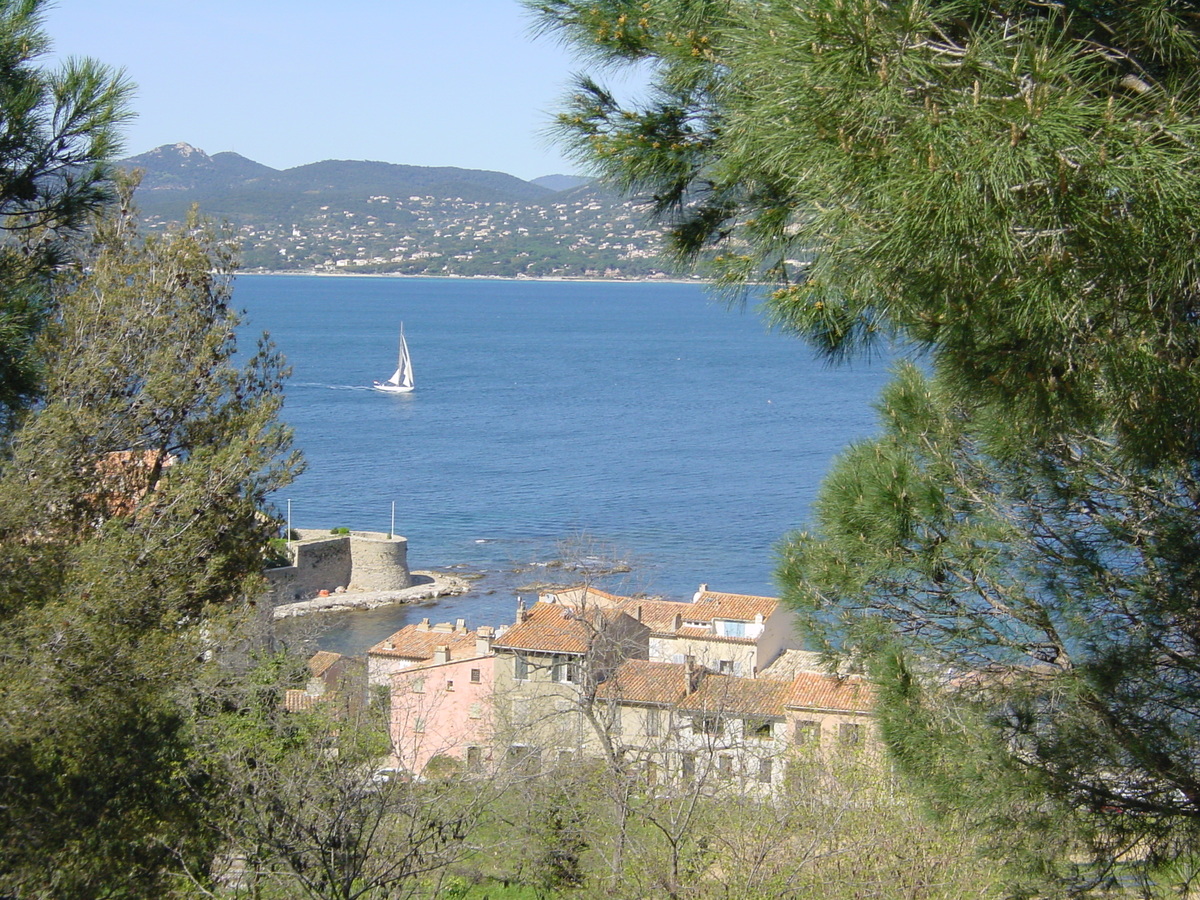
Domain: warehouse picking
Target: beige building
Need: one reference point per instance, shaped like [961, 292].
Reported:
[681, 722]
[732, 634]
[549, 665]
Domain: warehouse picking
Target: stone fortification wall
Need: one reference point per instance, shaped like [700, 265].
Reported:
[379, 562]
[361, 561]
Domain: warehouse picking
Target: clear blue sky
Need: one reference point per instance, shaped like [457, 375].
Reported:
[420, 82]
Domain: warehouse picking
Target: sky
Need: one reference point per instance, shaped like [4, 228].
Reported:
[287, 82]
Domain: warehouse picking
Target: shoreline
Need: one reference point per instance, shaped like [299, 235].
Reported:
[427, 585]
[310, 273]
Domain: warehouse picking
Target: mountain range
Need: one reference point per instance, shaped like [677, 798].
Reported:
[376, 217]
[231, 187]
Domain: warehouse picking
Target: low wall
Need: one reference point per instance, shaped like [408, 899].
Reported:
[360, 561]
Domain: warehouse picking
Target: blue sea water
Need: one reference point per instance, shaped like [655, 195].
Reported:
[648, 421]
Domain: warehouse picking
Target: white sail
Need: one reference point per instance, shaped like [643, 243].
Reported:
[402, 380]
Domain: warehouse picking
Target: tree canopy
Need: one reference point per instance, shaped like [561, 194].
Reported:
[58, 133]
[131, 511]
[1006, 184]
[1006, 189]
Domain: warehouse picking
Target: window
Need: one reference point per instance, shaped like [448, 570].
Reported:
[707, 725]
[725, 666]
[475, 711]
[522, 710]
[418, 685]
[475, 679]
[474, 760]
[806, 731]
[520, 668]
[724, 766]
[523, 759]
[565, 758]
[849, 734]
[757, 728]
[563, 670]
[764, 771]
[687, 766]
[450, 685]
[733, 629]
[614, 717]
[653, 722]
[419, 726]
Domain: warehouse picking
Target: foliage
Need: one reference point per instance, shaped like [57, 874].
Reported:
[57, 133]
[131, 503]
[1006, 186]
[1032, 617]
[302, 810]
[839, 831]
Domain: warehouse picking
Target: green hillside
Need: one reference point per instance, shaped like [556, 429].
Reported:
[346, 215]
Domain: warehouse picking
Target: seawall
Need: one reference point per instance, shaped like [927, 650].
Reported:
[359, 561]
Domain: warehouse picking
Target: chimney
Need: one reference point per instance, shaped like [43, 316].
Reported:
[441, 654]
[483, 640]
[639, 612]
[691, 674]
[460, 625]
[696, 596]
[678, 623]
[522, 615]
[424, 626]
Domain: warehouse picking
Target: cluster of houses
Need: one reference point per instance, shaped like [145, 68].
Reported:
[712, 689]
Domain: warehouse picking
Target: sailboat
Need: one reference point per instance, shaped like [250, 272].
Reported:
[402, 381]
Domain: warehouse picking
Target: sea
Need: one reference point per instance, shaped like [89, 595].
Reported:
[645, 437]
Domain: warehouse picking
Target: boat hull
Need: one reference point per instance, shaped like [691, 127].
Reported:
[391, 388]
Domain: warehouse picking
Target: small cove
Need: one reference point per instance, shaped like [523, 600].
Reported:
[639, 421]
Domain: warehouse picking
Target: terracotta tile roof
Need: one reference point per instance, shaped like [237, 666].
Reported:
[299, 700]
[418, 642]
[693, 633]
[551, 628]
[709, 605]
[737, 696]
[849, 693]
[582, 595]
[660, 615]
[790, 663]
[657, 615]
[320, 662]
[640, 681]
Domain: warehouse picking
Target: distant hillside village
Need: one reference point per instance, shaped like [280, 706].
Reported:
[377, 218]
[713, 691]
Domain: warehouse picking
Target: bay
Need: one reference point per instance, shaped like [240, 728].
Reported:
[640, 421]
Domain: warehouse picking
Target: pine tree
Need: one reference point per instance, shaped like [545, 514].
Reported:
[1006, 187]
[58, 133]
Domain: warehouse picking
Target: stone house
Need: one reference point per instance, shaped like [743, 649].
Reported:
[549, 665]
[682, 723]
[733, 634]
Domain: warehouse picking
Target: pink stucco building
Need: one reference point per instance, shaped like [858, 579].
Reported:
[443, 708]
